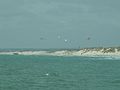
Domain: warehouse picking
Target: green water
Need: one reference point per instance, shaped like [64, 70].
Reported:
[58, 73]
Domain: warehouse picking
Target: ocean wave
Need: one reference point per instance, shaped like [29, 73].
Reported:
[52, 53]
[115, 55]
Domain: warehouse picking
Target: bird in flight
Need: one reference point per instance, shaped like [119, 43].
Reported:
[42, 38]
[88, 38]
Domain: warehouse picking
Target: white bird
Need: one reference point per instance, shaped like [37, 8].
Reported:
[65, 40]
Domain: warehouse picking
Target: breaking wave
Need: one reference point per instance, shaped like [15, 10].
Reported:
[62, 53]
[51, 53]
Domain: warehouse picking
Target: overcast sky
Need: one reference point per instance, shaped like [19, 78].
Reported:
[59, 23]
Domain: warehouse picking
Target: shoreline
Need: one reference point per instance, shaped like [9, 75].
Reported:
[86, 52]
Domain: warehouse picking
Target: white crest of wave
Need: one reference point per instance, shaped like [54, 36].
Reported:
[82, 52]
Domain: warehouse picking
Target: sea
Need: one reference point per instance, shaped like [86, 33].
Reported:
[34, 72]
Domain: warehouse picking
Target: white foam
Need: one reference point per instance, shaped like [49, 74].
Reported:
[83, 52]
[47, 74]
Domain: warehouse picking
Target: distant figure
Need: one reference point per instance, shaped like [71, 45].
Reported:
[88, 38]
[79, 47]
[41, 38]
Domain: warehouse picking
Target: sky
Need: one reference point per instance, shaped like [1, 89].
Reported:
[59, 23]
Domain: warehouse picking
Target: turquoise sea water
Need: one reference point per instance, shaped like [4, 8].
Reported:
[19, 72]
